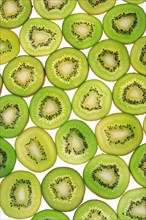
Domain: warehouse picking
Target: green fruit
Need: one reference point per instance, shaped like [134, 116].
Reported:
[135, 1]
[50, 214]
[1, 83]
[107, 176]
[92, 100]
[144, 124]
[119, 133]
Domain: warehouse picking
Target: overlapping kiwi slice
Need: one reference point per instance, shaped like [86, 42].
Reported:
[63, 189]
[107, 176]
[13, 115]
[119, 133]
[50, 214]
[81, 30]
[50, 107]
[40, 37]
[109, 59]
[54, 10]
[9, 45]
[124, 23]
[1, 83]
[129, 93]
[135, 1]
[67, 68]
[131, 205]
[144, 124]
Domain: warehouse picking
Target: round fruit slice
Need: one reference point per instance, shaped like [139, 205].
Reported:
[124, 23]
[9, 45]
[63, 189]
[35, 149]
[50, 107]
[81, 30]
[54, 10]
[13, 115]
[135, 1]
[75, 142]
[109, 60]
[1, 83]
[119, 133]
[50, 214]
[95, 209]
[7, 158]
[144, 124]
[129, 94]
[40, 37]
[132, 205]
[24, 75]
[21, 195]
[92, 100]
[107, 176]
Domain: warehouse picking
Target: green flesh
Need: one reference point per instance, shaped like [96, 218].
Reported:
[50, 214]
[1, 83]
[144, 124]
[135, 1]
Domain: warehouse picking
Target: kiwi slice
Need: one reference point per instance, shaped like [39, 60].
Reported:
[63, 189]
[50, 107]
[109, 59]
[50, 214]
[54, 10]
[9, 45]
[129, 93]
[24, 75]
[138, 55]
[75, 142]
[119, 133]
[94, 210]
[13, 115]
[125, 23]
[92, 100]
[96, 7]
[144, 124]
[67, 68]
[131, 205]
[81, 30]
[7, 158]
[135, 1]
[1, 83]
[21, 194]
[107, 176]
[40, 37]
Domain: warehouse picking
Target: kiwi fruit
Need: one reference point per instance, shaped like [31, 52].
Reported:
[125, 23]
[40, 37]
[144, 124]
[94, 210]
[50, 107]
[131, 205]
[75, 141]
[24, 75]
[129, 94]
[107, 176]
[1, 83]
[21, 194]
[50, 214]
[119, 133]
[13, 115]
[63, 189]
[81, 30]
[7, 158]
[135, 1]
[9, 45]
[96, 7]
[67, 68]
[54, 10]
[138, 55]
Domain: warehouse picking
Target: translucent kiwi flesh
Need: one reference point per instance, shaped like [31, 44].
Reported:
[50, 214]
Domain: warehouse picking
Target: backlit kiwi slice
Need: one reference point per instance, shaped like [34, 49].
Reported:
[21, 195]
[7, 158]
[50, 107]
[144, 124]
[92, 100]
[50, 214]
[124, 23]
[40, 37]
[67, 68]
[35, 149]
[81, 30]
[9, 45]
[119, 133]
[75, 142]
[135, 1]
[1, 83]
[109, 59]
[138, 55]
[13, 115]
[24, 75]
[107, 176]
[63, 189]
[131, 205]
[129, 93]
[54, 10]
